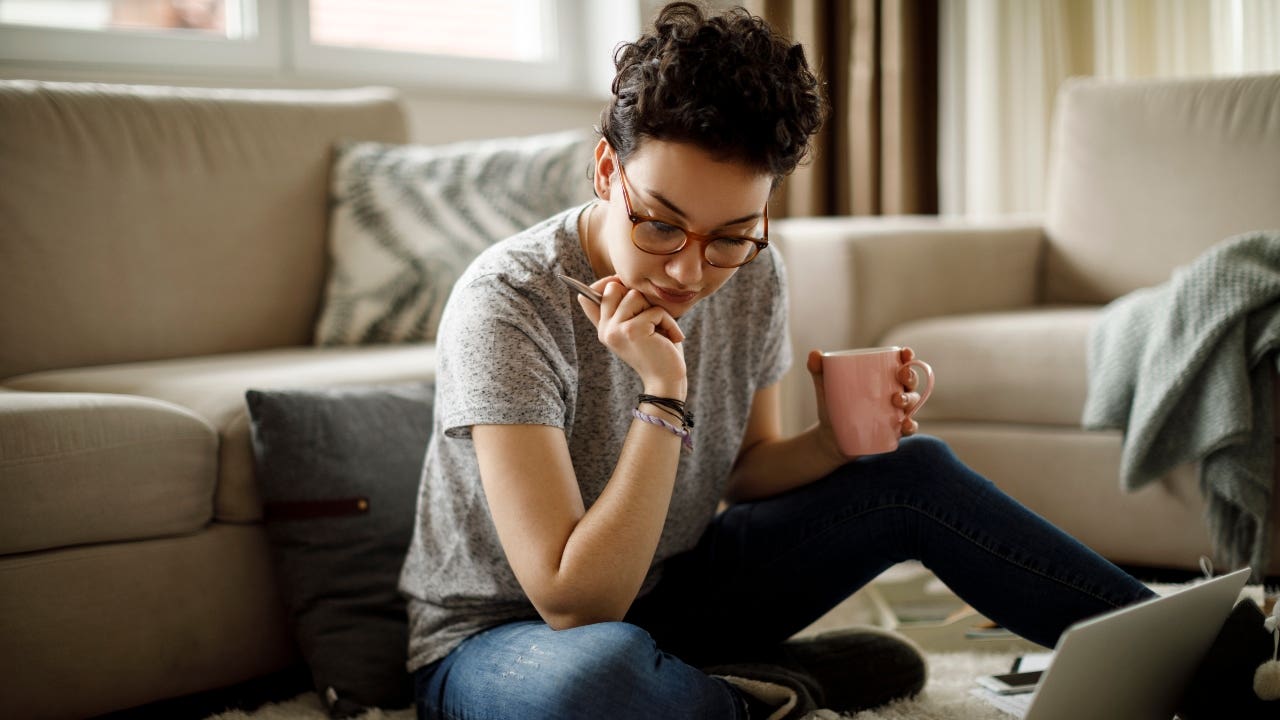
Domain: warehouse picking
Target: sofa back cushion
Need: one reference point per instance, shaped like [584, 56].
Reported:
[1147, 175]
[143, 223]
[407, 220]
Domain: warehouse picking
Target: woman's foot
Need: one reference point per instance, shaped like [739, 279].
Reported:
[858, 668]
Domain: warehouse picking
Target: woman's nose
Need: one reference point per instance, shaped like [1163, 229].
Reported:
[685, 266]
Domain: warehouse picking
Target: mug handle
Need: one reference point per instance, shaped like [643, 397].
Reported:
[920, 366]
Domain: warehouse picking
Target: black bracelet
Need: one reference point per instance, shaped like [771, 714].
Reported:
[671, 405]
[677, 415]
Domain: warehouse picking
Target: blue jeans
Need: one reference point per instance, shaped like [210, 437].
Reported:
[763, 571]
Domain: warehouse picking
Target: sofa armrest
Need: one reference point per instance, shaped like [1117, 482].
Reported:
[851, 280]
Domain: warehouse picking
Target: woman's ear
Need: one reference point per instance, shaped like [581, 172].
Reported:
[605, 165]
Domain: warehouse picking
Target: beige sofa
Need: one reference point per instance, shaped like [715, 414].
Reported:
[1145, 176]
[161, 250]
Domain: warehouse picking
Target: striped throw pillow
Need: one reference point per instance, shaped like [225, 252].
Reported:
[406, 220]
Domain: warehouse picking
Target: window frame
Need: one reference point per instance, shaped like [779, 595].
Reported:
[281, 49]
[559, 73]
[148, 49]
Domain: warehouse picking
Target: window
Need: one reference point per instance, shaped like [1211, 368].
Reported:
[495, 29]
[165, 34]
[526, 44]
[529, 45]
[209, 17]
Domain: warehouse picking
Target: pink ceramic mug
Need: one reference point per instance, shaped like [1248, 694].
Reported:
[859, 386]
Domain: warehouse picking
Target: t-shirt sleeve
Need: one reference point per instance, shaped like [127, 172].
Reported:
[776, 358]
[498, 364]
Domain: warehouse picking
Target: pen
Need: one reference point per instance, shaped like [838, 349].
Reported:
[582, 288]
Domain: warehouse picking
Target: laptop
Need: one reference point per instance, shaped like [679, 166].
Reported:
[1133, 663]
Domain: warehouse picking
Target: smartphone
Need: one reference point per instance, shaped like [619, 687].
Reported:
[1011, 683]
[582, 288]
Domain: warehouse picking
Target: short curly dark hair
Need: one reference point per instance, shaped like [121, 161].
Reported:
[728, 84]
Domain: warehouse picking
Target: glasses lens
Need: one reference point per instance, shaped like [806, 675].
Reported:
[729, 252]
[658, 237]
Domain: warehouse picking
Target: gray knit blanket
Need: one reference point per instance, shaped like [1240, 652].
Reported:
[1185, 370]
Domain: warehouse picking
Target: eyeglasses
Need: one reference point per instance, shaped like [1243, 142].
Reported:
[662, 238]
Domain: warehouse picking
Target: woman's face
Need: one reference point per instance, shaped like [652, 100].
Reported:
[683, 186]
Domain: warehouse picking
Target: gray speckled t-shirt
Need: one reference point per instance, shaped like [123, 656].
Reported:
[514, 347]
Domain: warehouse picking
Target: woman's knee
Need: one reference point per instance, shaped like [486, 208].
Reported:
[582, 666]
[935, 466]
[921, 460]
[534, 672]
[622, 673]
[932, 458]
[610, 650]
[926, 448]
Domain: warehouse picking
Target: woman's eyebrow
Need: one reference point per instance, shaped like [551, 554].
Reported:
[676, 209]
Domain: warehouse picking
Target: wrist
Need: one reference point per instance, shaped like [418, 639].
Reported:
[670, 406]
[676, 390]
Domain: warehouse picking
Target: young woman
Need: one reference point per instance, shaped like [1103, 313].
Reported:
[569, 560]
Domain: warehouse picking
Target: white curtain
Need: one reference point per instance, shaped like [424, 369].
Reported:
[1002, 61]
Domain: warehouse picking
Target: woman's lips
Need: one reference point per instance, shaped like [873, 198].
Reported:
[674, 296]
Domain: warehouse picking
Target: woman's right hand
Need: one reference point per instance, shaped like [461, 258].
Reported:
[641, 334]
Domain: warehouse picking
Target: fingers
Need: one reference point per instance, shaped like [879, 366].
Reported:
[814, 362]
[612, 291]
[622, 305]
[905, 400]
[906, 375]
[666, 325]
[908, 378]
[591, 309]
[911, 398]
[619, 302]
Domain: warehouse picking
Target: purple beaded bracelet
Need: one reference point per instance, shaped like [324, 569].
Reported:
[686, 439]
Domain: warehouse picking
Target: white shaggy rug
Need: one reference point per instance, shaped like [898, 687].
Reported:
[945, 697]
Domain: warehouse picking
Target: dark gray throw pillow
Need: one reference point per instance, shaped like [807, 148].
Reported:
[339, 470]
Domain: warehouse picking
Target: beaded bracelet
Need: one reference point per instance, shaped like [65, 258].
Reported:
[686, 439]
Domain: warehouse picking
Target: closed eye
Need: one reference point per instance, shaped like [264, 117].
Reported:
[665, 228]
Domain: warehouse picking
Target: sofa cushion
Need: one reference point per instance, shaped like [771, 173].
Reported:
[1025, 366]
[339, 471]
[89, 468]
[407, 220]
[98, 628]
[1148, 174]
[146, 222]
[214, 386]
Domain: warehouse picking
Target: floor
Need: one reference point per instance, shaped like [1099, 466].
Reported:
[858, 609]
[249, 695]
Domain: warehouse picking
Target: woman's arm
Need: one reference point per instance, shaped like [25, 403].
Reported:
[577, 566]
[581, 566]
